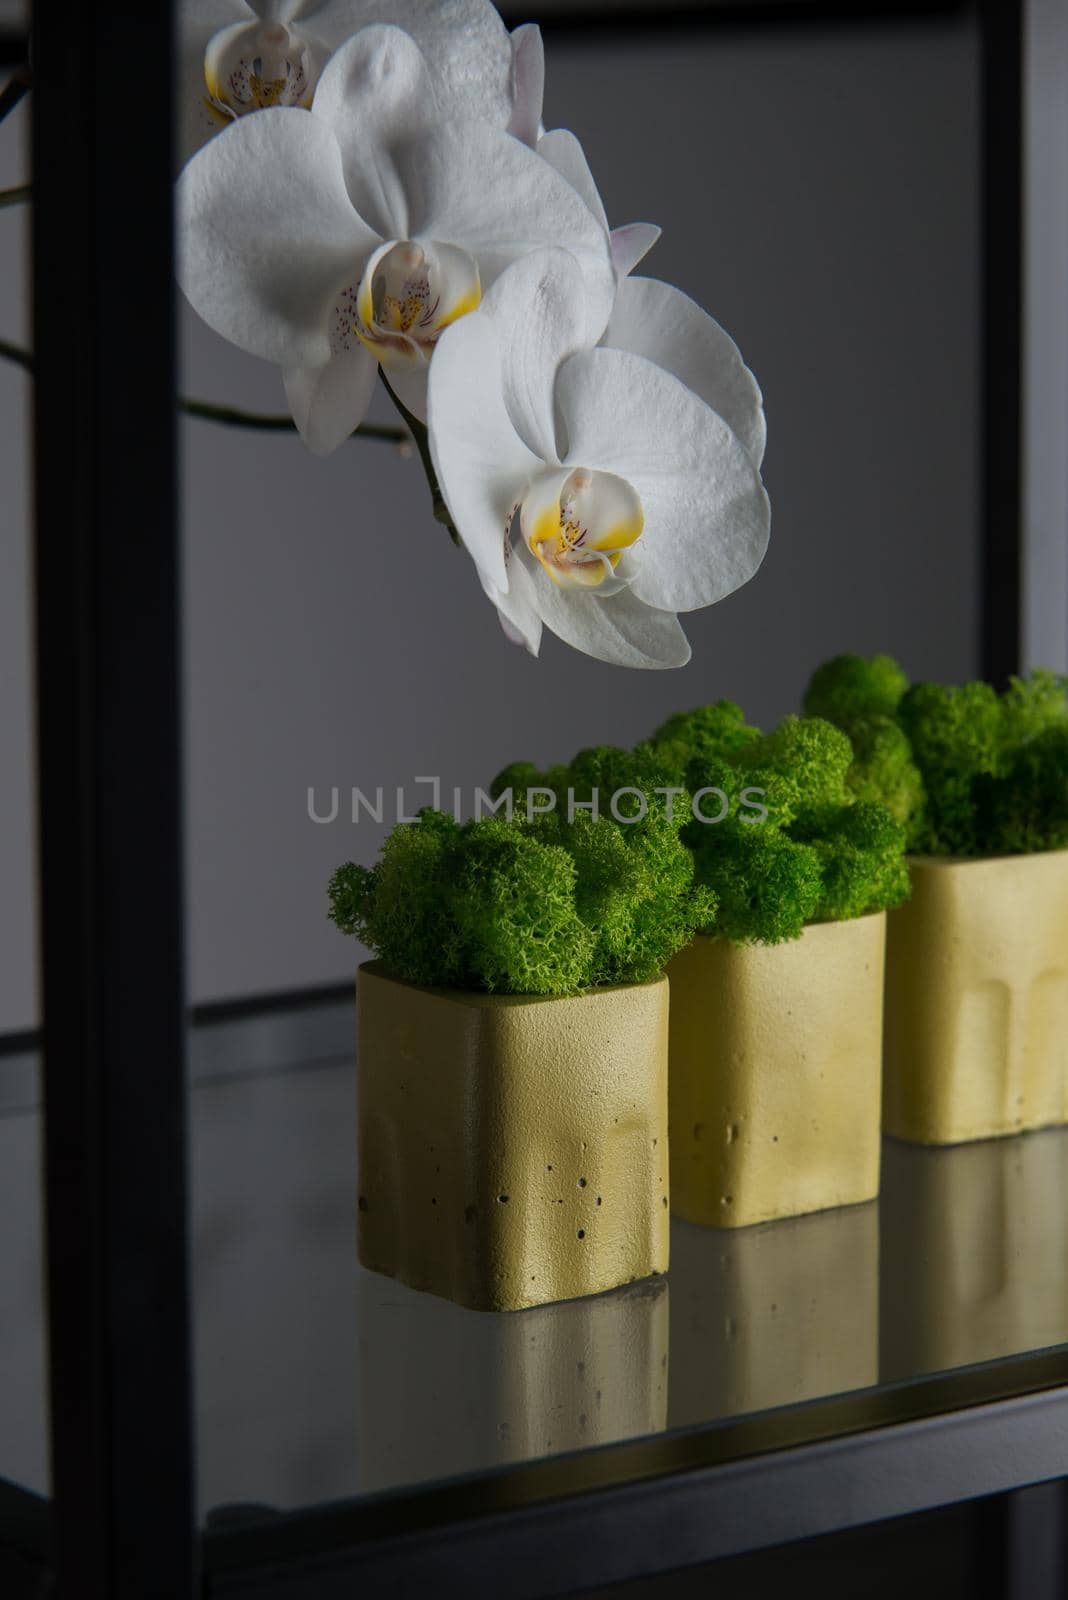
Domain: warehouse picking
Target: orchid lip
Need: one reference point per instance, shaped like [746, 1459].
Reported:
[410, 292]
[250, 68]
[581, 526]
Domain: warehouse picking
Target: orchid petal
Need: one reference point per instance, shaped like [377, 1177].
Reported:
[537, 305]
[464, 41]
[656, 320]
[377, 96]
[528, 83]
[482, 464]
[516, 608]
[265, 274]
[630, 244]
[566, 156]
[330, 401]
[620, 629]
[706, 513]
[484, 191]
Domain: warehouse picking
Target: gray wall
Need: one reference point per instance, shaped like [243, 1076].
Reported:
[818, 194]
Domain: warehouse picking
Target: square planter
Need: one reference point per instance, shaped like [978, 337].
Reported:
[977, 999]
[775, 1074]
[512, 1150]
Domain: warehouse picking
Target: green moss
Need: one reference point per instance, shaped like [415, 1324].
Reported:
[862, 697]
[521, 776]
[767, 885]
[634, 889]
[483, 906]
[706, 732]
[604, 769]
[645, 886]
[955, 735]
[850, 688]
[548, 906]
[513, 900]
[1025, 808]
[817, 855]
[807, 757]
[754, 795]
[969, 772]
[860, 848]
[883, 769]
[1030, 705]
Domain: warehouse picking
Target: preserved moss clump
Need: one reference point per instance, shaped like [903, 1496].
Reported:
[1030, 706]
[805, 761]
[860, 848]
[850, 689]
[970, 772]
[484, 906]
[955, 735]
[603, 769]
[816, 856]
[862, 697]
[708, 732]
[634, 889]
[743, 834]
[883, 769]
[1025, 809]
[544, 907]
[767, 885]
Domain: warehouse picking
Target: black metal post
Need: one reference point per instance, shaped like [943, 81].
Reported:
[107, 664]
[1001, 43]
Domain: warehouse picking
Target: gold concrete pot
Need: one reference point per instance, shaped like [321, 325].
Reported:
[512, 1149]
[775, 1074]
[977, 999]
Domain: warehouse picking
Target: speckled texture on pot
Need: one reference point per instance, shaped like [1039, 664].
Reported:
[512, 1149]
[977, 999]
[775, 1074]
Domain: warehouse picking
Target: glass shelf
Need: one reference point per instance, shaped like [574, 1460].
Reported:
[318, 1381]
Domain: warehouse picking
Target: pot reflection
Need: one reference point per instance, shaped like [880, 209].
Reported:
[445, 1390]
[974, 1250]
[771, 1315]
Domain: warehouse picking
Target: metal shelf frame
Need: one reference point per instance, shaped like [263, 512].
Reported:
[121, 1522]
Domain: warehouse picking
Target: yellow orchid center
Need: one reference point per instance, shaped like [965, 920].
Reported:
[251, 68]
[581, 530]
[410, 292]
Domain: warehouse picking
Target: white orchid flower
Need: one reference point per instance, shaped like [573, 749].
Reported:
[563, 151]
[598, 493]
[332, 241]
[244, 55]
[527, 83]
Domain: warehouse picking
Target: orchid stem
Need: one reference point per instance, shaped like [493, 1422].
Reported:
[421, 436]
[13, 91]
[230, 416]
[13, 352]
[16, 197]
